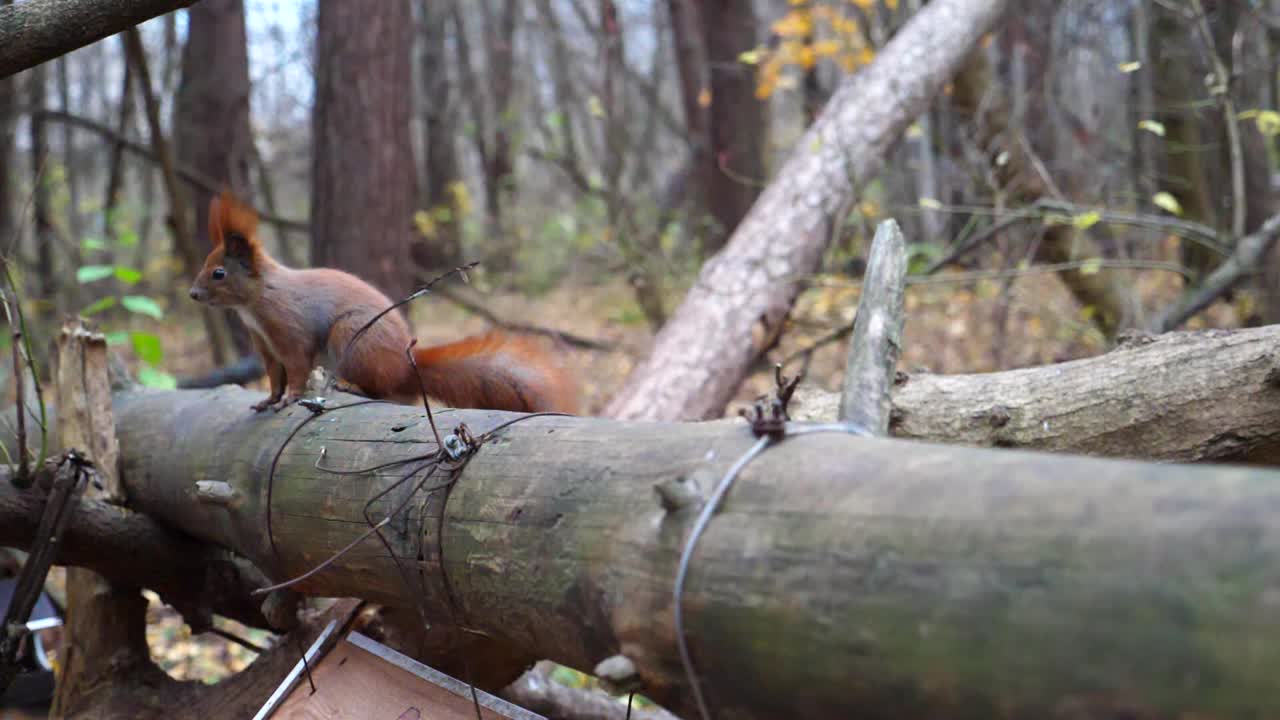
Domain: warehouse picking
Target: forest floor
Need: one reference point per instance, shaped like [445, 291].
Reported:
[951, 328]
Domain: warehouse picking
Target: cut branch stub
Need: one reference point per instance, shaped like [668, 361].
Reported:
[876, 342]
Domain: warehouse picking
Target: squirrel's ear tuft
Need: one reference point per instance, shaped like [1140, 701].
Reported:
[231, 222]
[215, 221]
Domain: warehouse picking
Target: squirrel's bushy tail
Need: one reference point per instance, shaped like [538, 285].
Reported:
[496, 371]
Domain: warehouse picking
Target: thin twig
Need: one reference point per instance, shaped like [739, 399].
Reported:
[568, 338]
[1221, 91]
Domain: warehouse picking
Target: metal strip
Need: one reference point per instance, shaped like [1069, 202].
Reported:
[44, 624]
[286, 685]
[430, 674]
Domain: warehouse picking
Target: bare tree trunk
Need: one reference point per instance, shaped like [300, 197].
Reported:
[444, 249]
[46, 276]
[8, 114]
[115, 165]
[498, 164]
[363, 173]
[211, 132]
[738, 123]
[69, 159]
[34, 32]
[743, 294]
[179, 219]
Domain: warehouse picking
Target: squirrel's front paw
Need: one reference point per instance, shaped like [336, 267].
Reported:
[288, 399]
[270, 401]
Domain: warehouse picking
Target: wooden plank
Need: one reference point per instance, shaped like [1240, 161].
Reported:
[362, 678]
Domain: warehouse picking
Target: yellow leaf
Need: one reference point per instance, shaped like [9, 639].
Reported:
[1091, 266]
[806, 58]
[1130, 67]
[425, 224]
[1151, 126]
[461, 198]
[767, 82]
[797, 23]
[595, 107]
[826, 48]
[749, 57]
[704, 97]
[844, 25]
[1167, 202]
[1268, 122]
[1086, 220]
[929, 203]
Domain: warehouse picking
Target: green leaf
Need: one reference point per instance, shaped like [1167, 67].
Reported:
[147, 347]
[1153, 127]
[153, 378]
[142, 306]
[117, 337]
[93, 244]
[1091, 266]
[1268, 123]
[1086, 220]
[94, 308]
[91, 273]
[128, 238]
[128, 275]
[1167, 202]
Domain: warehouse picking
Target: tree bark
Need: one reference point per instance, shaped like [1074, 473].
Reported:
[858, 565]
[8, 114]
[33, 32]
[46, 275]
[179, 220]
[738, 121]
[444, 249]
[211, 117]
[211, 132]
[1184, 397]
[743, 293]
[876, 341]
[363, 173]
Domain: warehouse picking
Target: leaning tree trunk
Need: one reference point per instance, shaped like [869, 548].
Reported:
[1029, 583]
[33, 32]
[363, 175]
[744, 293]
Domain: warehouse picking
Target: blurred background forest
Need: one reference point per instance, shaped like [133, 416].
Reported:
[592, 153]
[1093, 162]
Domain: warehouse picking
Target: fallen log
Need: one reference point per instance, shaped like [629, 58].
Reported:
[843, 576]
[1212, 395]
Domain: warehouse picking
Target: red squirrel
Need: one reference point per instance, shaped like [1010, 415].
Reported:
[296, 315]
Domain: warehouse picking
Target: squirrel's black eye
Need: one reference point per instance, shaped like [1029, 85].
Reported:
[219, 273]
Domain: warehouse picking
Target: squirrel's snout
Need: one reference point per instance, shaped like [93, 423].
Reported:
[196, 294]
